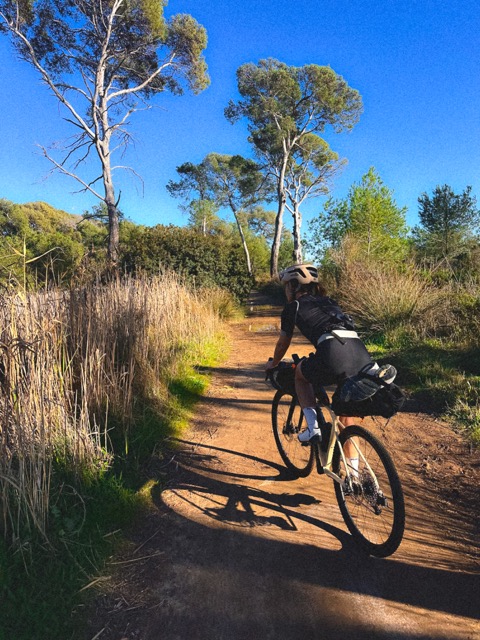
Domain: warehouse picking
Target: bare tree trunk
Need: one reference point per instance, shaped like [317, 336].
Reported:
[297, 241]
[113, 218]
[103, 149]
[113, 234]
[242, 237]
[244, 245]
[277, 238]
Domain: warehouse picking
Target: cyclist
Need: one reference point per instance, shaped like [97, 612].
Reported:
[339, 351]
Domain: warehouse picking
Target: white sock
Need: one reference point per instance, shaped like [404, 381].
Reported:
[353, 464]
[311, 418]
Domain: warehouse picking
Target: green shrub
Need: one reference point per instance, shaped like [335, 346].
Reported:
[465, 304]
[206, 259]
[385, 300]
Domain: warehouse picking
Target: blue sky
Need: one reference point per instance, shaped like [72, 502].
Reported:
[416, 64]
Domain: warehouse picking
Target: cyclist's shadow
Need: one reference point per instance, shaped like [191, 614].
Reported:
[240, 504]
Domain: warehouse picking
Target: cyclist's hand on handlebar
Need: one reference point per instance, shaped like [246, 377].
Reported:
[270, 365]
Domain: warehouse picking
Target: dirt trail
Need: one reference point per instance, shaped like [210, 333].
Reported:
[236, 550]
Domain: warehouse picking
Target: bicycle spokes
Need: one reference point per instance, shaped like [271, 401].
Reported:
[370, 496]
[287, 422]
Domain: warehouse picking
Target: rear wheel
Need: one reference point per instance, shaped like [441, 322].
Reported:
[372, 505]
[287, 422]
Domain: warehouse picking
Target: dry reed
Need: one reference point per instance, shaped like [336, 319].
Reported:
[388, 299]
[68, 360]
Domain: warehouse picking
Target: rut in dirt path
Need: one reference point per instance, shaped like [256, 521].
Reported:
[237, 550]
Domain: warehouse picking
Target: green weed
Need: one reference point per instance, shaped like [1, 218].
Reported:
[444, 375]
[41, 581]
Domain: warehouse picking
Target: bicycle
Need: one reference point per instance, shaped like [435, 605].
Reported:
[370, 497]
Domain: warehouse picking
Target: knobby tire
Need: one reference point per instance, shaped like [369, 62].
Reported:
[287, 422]
[374, 514]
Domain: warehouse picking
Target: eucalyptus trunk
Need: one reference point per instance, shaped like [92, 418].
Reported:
[282, 201]
[277, 238]
[297, 241]
[242, 238]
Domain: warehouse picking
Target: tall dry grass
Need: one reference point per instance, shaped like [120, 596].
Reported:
[389, 298]
[71, 359]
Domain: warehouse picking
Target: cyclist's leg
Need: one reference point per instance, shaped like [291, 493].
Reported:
[304, 389]
[351, 454]
[306, 400]
[344, 359]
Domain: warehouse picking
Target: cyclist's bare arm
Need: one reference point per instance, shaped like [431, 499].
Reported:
[281, 349]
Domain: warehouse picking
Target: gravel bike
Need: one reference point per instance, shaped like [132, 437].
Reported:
[370, 496]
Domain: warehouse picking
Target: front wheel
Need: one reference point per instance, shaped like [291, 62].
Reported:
[287, 422]
[372, 503]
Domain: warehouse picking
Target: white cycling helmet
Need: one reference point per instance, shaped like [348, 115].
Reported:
[302, 273]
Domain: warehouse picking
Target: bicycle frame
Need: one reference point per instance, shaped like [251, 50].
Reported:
[324, 459]
[367, 486]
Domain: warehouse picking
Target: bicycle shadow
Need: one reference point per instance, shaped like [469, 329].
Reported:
[242, 508]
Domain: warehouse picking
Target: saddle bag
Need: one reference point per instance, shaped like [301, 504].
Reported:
[385, 402]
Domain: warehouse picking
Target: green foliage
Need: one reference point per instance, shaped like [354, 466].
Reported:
[464, 313]
[188, 39]
[449, 222]
[287, 108]
[82, 523]
[153, 13]
[370, 215]
[203, 216]
[465, 414]
[54, 245]
[204, 259]
[234, 181]
[446, 211]
[445, 376]
[286, 251]
[259, 251]
[282, 101]
[260, 221]
[221, 181]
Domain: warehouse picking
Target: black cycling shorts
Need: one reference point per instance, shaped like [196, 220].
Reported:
[334, 361]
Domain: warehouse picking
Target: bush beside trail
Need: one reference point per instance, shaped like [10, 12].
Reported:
[206, 260]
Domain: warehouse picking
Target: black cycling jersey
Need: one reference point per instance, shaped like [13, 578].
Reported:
[314, 316]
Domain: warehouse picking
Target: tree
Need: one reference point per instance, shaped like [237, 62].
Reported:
[235, 182]
[103, 61]
[448, 221]
[203, 215]
[194, 179]
[229, 181]
[369, 214]
[286, 107]
[39, 244]
[261, 224]
[311, 166]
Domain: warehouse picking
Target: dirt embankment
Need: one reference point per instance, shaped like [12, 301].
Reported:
[236, 550]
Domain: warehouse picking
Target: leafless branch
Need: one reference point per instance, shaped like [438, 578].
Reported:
[65, 171]
[145, 83]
